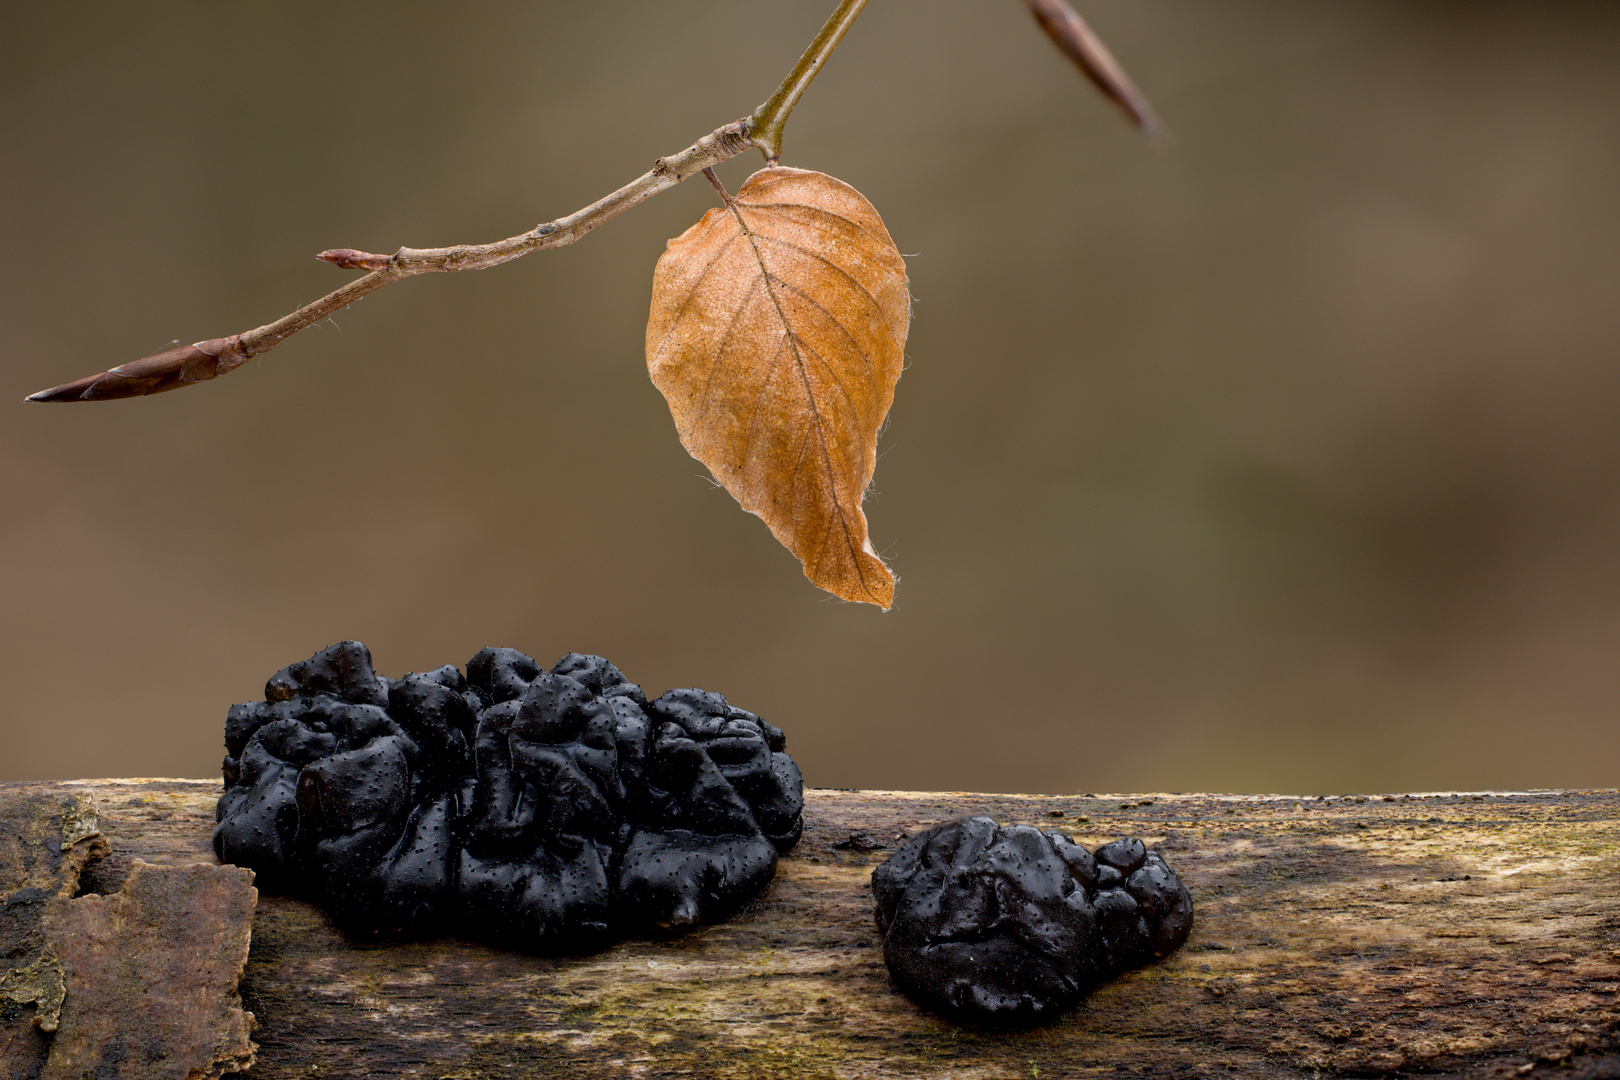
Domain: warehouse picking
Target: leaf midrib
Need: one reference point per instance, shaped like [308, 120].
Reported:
[809, 396]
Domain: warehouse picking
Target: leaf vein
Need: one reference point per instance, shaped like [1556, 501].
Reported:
[692, 293]
[854, 343]
[851, 278]
[720, 351]
[815, 414]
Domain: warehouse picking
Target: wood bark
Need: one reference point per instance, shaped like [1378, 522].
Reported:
[137, 982]
[1452, 934]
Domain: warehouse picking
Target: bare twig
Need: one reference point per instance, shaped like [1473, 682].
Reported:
[205, 360]
[1076, 40]
[209, 359]
[771, 117]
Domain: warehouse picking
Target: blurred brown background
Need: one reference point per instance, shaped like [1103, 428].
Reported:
[1284, 459]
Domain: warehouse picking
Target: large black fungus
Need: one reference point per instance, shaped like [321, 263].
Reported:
[1010, 926]
[551, 811]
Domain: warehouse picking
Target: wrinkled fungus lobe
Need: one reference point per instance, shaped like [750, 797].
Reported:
[1014, 925]
[549, 811]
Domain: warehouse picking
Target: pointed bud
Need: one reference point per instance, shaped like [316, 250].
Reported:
[350, 259]
[1076, 40]
[154, 374]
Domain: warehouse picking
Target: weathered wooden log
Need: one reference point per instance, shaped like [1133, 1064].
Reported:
[1469, 935]
[138, 983]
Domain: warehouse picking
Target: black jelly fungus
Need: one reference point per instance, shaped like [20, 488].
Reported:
[1011, 925]
[550, 811]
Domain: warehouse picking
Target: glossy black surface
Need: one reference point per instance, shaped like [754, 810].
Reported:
[1010, 926]
[550, 811]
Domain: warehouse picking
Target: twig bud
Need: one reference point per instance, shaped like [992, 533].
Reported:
[350, 259]
[154, 374]
[1080, 44]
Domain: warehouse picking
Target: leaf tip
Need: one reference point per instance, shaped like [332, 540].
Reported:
[863, 579]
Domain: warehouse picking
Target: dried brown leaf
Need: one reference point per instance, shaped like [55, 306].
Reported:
[777, 333]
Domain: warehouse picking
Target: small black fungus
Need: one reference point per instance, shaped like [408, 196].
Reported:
[550, 811]
[1011, 926]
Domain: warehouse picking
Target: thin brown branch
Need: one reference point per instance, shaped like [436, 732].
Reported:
[204, 360]
[189, 364]
[1080, 44]
[770, 118]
